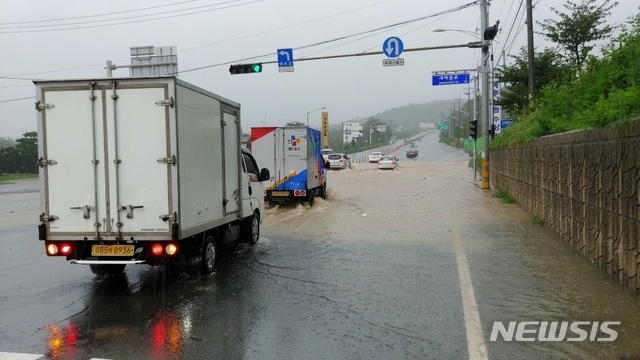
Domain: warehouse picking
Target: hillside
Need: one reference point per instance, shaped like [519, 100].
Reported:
[410, 116]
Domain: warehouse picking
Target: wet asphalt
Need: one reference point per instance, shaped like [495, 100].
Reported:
[378, 270]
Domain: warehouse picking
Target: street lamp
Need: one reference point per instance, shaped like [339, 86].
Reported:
[310, 111]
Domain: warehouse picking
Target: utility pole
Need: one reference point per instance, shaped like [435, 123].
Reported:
[486, 95]
[475, 118]
[530, 47]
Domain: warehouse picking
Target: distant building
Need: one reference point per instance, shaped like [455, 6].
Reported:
[350, 131]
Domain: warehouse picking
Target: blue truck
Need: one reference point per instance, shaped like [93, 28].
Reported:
[293, 156]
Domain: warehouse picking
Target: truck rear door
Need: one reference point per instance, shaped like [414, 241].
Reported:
[106, 160]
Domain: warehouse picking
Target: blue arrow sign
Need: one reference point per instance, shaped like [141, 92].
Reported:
[450, 79]
[285, 58]
[392, 47]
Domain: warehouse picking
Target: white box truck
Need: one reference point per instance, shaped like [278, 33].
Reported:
[293, 157]
[143, 170]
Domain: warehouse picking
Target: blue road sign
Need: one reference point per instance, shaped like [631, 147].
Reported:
[392, 47]
[450, 79]
[285, 59]
[505, 123]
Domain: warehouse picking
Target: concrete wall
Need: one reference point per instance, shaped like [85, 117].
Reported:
[585, 185]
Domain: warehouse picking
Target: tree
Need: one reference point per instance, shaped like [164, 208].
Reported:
[549, 69]
[295, 123]
[576, 31]
[6, 142]
[27, 147]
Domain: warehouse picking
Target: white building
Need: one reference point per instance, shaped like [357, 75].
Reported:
[350, 131]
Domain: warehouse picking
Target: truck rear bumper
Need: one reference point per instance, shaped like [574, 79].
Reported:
[107, 262]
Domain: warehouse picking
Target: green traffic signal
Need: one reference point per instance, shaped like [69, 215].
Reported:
[245, 68]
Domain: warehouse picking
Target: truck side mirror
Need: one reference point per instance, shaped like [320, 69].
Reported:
[327, 165]
[264, 174]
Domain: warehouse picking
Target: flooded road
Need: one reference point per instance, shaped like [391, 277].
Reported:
[414, 263]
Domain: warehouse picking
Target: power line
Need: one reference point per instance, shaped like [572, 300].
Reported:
[18, 99]
[97, 15]
[515, 19]
[116, 19]
[134, 21]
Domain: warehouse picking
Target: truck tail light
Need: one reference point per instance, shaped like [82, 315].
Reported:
[171, 249]
[65, 249]
[52, 249]
[59, 249]
[157, 249]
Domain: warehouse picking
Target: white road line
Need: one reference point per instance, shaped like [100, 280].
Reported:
[25, 356]
[475, 338]
[19, 356]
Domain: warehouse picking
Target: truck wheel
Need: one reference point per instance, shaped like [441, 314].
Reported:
[108, 269]
[209, 255]
[311, 198]
[254, 228]
[323, 191]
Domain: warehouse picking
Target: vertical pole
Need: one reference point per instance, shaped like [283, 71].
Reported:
[486, 97]
[109, 68]
[459, 113]
[475, 118]
[530, 47]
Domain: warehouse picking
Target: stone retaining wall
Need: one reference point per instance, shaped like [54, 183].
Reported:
[585, 185]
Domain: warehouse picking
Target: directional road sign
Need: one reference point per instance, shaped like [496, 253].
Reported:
[505, 123]
[285, 60]
[392, 47]
[450, 79]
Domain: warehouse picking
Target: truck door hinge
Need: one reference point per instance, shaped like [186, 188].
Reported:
[169, 160]
[42, 162]
[49, 218]
[40, 106]
[168, 102]
[168, 217]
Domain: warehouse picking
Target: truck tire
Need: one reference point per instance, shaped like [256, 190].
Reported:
[253, 229]
[209, 255]
[323, 191]
[311, 198]
[107, 269]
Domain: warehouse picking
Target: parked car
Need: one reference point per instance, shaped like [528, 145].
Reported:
[387, 162]
[375, 156]
[339, 161]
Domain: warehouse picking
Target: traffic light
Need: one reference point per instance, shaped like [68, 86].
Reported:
[473, 129]
[245, 68]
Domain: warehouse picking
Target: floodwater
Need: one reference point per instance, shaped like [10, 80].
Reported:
[414, 263]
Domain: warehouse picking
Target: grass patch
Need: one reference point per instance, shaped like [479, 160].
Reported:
[537, 220]
[13, 177]
[505, 197]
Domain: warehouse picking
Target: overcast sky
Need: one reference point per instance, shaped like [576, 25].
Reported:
[210, 32]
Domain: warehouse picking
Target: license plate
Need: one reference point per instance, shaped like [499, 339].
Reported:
[279, 193]
[112, 250]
